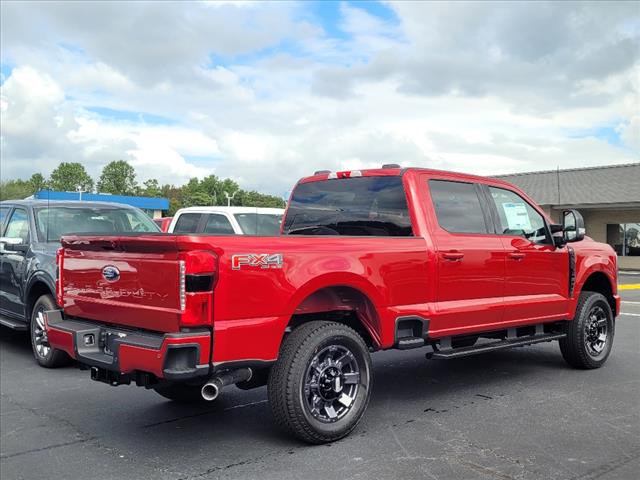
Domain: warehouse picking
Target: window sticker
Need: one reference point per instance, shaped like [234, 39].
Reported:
[517, 216]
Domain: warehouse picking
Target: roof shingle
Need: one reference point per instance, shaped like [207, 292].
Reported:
[581, 186]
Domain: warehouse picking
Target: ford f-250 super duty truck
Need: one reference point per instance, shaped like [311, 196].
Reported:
[367, 260]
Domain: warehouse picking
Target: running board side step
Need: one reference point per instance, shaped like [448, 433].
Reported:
[407, 343]
[450, 353]
[13, 324]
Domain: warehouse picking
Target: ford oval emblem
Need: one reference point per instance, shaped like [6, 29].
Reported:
[110, 273]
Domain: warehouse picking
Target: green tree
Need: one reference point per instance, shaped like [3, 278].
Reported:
[119, 178]
[255, 199]
[68, 176]
[174, 194]
[15, 190]
[37, 182]
[151, 188]
[198, 198]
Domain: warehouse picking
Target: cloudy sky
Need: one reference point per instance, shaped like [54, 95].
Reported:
[267, 93]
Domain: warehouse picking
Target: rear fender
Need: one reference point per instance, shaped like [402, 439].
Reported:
[343, 291]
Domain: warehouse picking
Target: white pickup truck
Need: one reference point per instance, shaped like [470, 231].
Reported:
[227, 221]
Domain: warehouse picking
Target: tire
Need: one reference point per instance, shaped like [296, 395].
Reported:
[45, 355]
[590, 335]
[321, 384]
[181, 392]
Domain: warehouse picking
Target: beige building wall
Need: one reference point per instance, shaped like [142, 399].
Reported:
[595, 222]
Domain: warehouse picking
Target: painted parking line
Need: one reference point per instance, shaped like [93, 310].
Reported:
[630, 314]
[629, 286]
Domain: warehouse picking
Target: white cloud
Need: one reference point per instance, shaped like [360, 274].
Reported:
[263, 94]
[40, 128]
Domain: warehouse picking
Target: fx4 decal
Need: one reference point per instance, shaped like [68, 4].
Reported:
[256, 260]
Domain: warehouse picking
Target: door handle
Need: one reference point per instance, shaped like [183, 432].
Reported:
[453, 255]
[517, 255]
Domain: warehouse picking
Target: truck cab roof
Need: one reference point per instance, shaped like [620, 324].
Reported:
[399, 171]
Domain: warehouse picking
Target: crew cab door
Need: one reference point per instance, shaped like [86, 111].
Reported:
[13, 264]
[470, 259]
[537, 282]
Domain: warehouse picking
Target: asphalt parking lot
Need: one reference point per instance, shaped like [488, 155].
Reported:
[518, 414]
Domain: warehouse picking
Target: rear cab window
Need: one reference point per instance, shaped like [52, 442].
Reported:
[55, 221]
[356, 206]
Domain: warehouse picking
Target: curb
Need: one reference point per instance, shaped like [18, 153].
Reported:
[629, 286]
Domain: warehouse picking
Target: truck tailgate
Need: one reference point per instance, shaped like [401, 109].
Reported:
[125, 281]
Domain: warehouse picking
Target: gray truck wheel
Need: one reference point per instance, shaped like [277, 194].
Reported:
[45, 355]
[590, 334]
[320, 386]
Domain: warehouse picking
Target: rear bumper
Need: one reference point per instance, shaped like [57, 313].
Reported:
[170, 356]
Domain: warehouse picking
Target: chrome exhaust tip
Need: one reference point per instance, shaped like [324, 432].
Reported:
[210, 391]
[212, 388]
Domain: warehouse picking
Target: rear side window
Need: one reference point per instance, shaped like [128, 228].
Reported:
[187, 223]
[259, 223]
[457, 207]
[357, 206]
[219, 225]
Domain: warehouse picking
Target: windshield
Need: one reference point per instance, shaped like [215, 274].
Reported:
[359, 206]
[54, 222]
[259, 224]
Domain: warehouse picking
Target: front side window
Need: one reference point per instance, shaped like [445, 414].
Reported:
[218, 225]
[357, 206]
[18, 226]
[4, 211]
[187, 223]
[54, 222]
[517, 217]
[457, 207]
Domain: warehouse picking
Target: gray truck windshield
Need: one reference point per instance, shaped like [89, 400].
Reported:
[359, 206]
[54, 222]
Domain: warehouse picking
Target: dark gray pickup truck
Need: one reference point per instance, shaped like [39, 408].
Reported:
[30, 232]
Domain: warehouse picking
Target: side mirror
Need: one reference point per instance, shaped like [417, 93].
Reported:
[11, 244]
[572, 226]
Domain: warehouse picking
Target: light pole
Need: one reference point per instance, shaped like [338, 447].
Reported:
[229, 198]
[79, 190]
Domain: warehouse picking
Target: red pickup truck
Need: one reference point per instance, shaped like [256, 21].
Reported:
[367, 260]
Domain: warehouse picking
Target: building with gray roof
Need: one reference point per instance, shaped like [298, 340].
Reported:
[607, 197]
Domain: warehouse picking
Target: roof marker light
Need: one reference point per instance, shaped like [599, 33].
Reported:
[346, 174]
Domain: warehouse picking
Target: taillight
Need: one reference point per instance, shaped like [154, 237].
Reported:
[183, 282]
[198, 272]
[59, 267]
